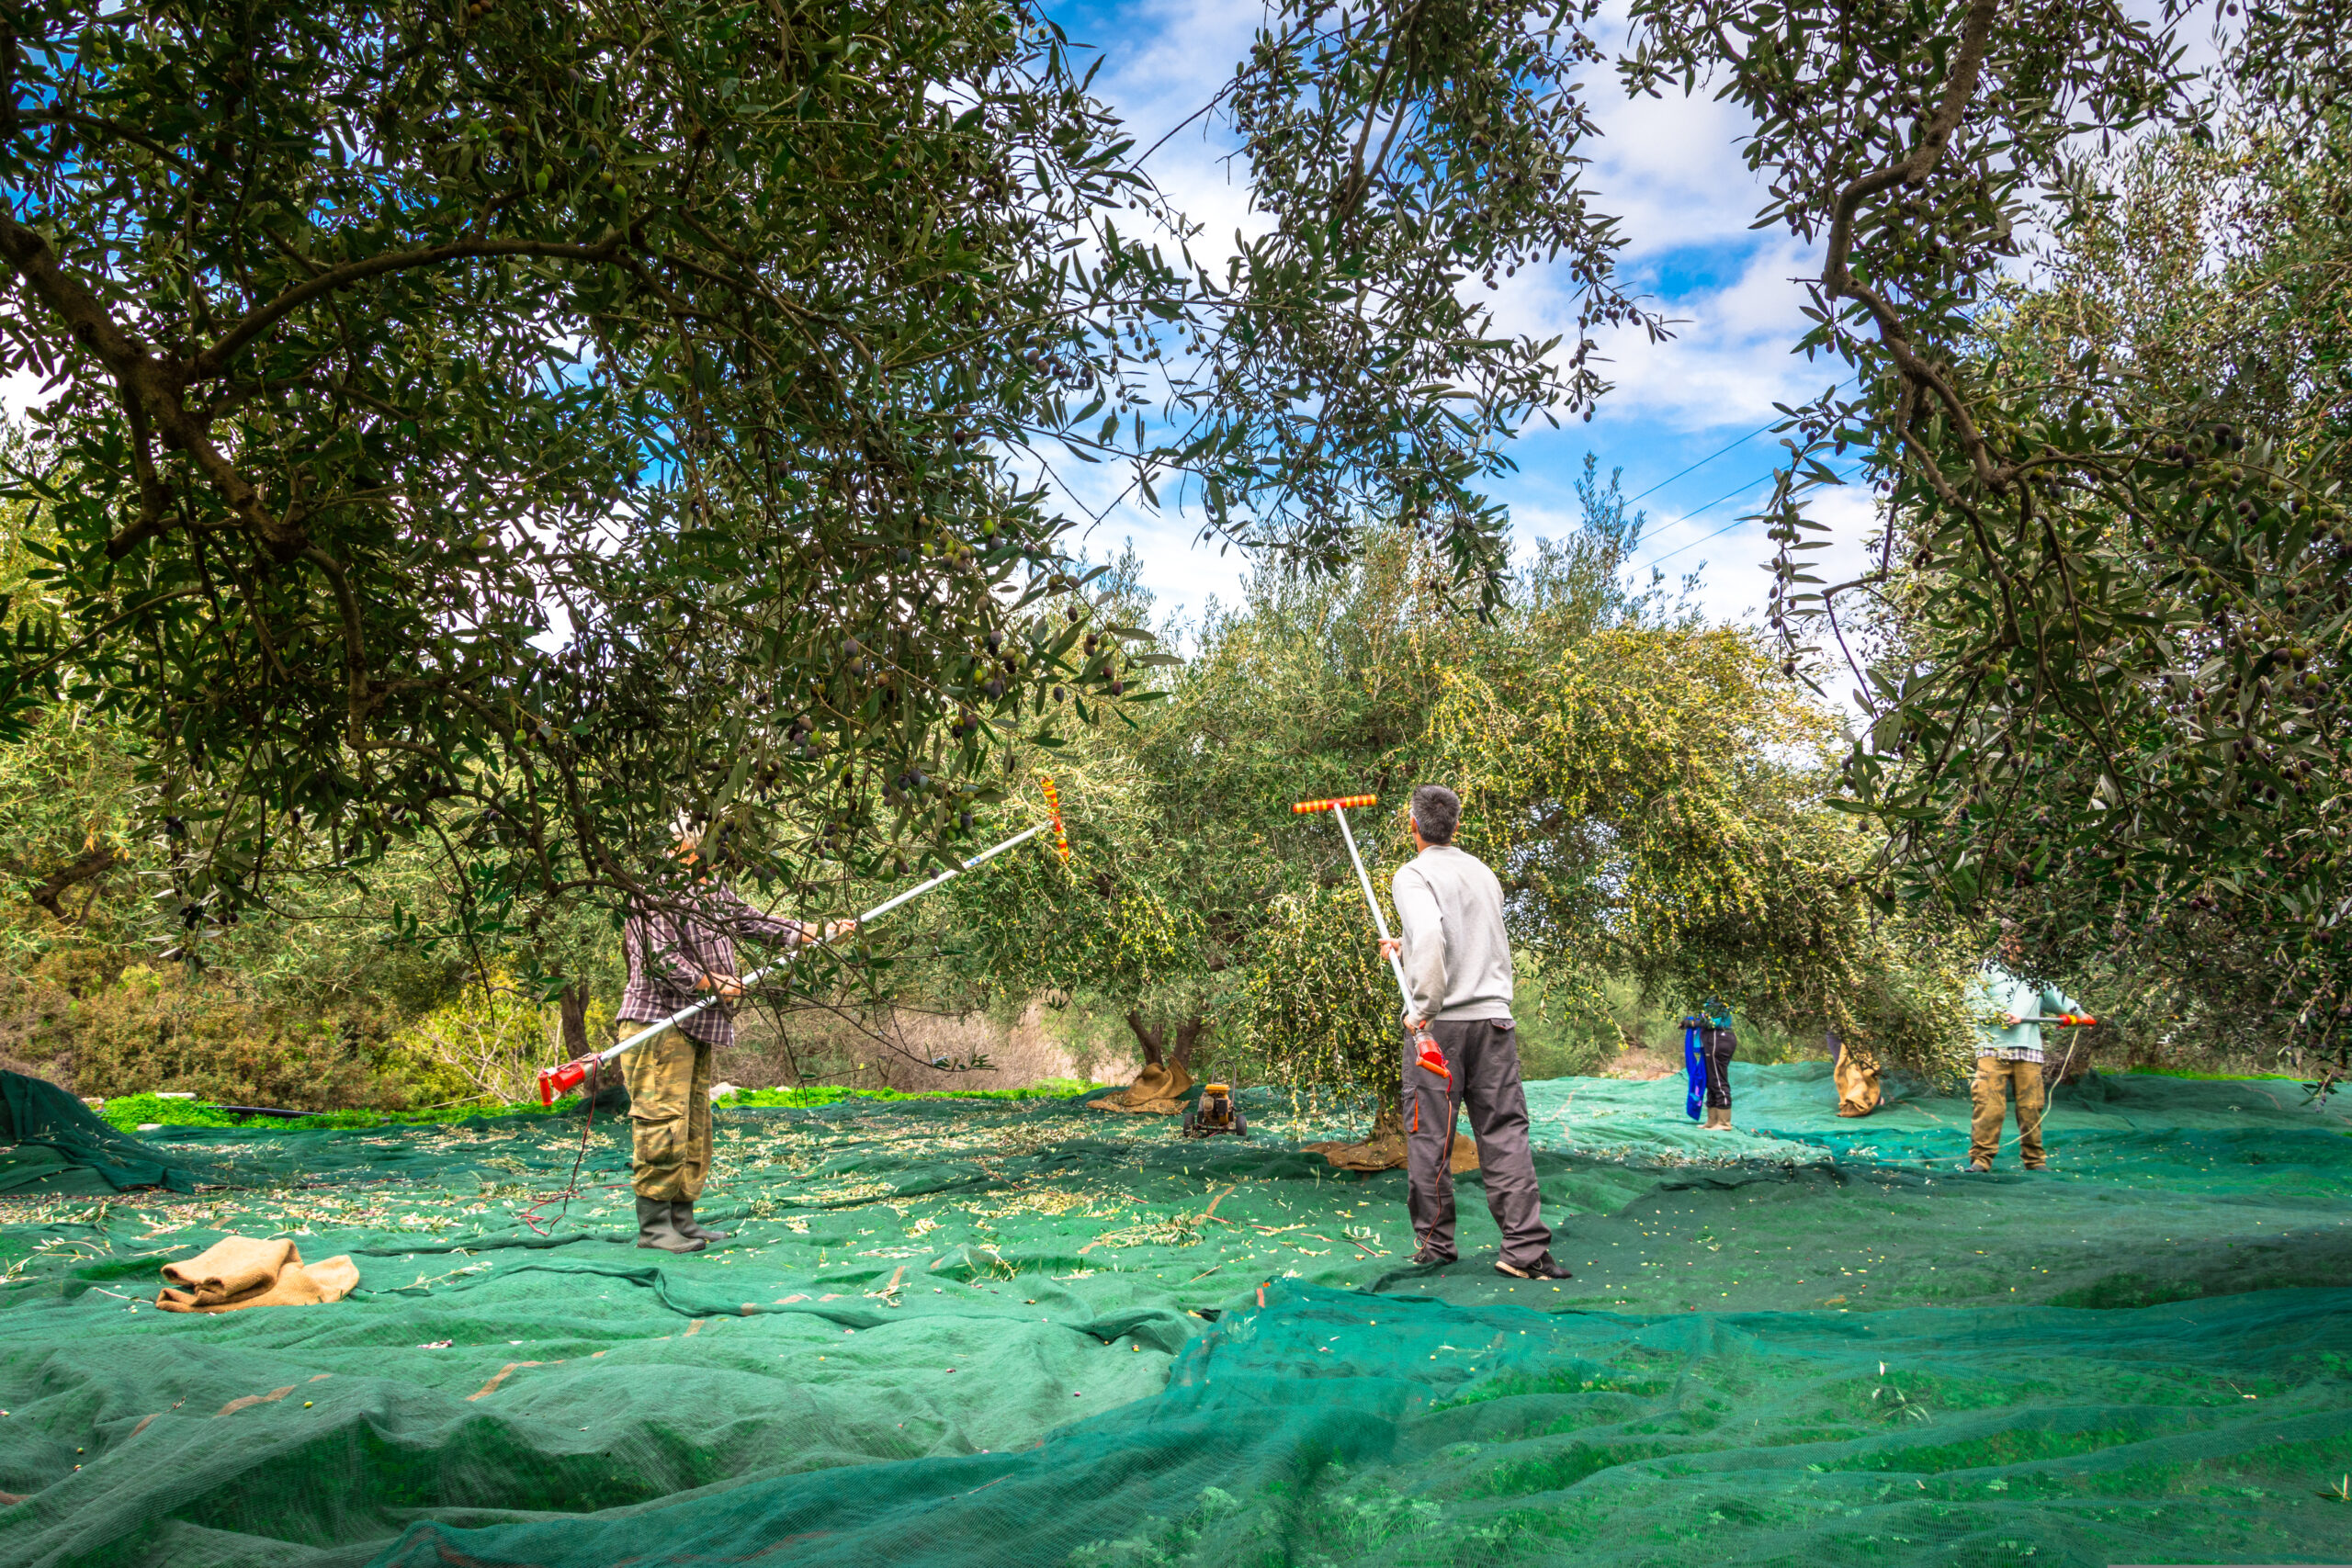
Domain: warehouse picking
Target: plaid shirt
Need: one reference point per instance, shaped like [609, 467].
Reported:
[670, 950]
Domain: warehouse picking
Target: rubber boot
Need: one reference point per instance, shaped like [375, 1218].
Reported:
[681, 1214]
[656, 1229]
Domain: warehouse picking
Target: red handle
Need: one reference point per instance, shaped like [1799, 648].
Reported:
[1431, 1058]
[1304, 806]
[2076, 1020]
[555, 1080]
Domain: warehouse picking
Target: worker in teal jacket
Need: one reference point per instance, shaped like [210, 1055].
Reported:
[2009, 1054]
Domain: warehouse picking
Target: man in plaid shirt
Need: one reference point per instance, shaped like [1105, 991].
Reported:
[681, 950]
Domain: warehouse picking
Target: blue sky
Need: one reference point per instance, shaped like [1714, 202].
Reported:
[1672, 169]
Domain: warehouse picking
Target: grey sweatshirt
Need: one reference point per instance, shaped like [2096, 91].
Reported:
[1456, 955]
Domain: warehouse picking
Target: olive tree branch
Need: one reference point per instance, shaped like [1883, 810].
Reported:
[1838, 280]
[215, 359]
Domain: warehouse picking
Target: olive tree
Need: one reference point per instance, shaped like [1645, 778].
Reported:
[520, 427]
[1652, 798]
[2097, 637]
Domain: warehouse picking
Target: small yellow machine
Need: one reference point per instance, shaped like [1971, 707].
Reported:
[1216, 1114]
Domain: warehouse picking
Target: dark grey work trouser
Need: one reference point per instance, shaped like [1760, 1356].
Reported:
[1484, 1054]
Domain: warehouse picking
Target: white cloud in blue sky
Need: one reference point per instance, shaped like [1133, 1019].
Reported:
[1672, 169]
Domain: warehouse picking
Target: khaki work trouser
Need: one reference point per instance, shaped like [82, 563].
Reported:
[1990, 1094]
[669, 1113]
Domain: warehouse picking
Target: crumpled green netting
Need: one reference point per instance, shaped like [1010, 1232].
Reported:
[1776, 1349]
[52, 1143]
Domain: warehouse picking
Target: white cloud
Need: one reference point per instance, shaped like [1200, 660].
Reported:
[1737, 582]
[1728, 361]
[1671, 169]
[20, 392]
[1160, 72]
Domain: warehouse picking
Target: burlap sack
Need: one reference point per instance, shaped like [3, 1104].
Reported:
[240, 1271]
[1386, 1151]
[1158, 1090]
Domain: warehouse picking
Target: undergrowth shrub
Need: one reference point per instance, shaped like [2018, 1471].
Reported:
[164, 1027]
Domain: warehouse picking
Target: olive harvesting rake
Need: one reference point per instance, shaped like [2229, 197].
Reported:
[571, 1075]
[1429, 1055]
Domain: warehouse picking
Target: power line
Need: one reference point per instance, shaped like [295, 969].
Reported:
[1709, 507]
[1711, 456]
[1705, 460]
[1696, 543]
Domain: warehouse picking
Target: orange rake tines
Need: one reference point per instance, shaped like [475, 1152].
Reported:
[1054, 809]
[1344, 802]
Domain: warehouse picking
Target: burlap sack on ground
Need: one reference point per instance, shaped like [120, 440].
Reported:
[240, 1272]
[1158, 1090]
[1856, 1074]
[1384, 1150]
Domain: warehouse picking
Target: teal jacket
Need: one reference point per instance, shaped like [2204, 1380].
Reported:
[1998, 992]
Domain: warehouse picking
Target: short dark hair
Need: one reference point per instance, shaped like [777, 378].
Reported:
[1435, 811]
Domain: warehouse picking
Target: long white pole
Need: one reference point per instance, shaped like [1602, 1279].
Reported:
[1380, 921]
[867, 918]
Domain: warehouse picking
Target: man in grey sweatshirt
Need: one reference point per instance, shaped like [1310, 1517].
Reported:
[1456, 960]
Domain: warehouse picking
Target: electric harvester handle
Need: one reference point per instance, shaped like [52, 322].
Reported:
[571, 1075]
[1430, 1055]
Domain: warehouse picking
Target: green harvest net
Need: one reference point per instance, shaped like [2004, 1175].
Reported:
[999, 1333]
[51, 1146]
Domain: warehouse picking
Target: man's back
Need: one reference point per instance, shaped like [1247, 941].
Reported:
[1456, 952]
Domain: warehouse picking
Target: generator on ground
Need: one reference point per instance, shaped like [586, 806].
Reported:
[1216, 1114]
